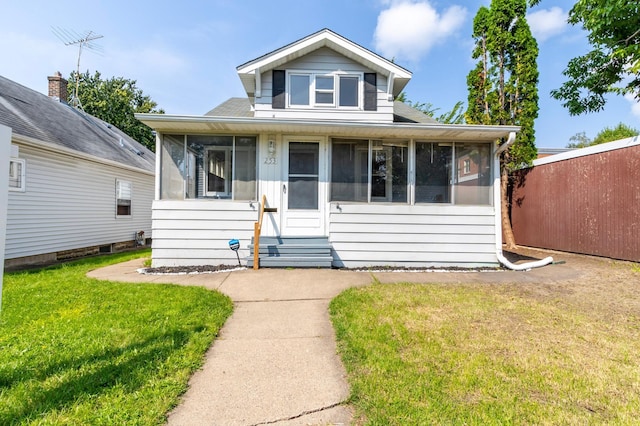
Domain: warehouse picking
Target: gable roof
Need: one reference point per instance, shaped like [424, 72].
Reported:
[36, 116]
[249, 71]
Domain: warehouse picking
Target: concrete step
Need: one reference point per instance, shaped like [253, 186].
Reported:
[300, 252]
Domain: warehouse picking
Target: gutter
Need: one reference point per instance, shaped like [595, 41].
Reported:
[495, 131]
[510, 140]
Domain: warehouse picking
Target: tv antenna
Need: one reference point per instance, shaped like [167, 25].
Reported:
[72, 38]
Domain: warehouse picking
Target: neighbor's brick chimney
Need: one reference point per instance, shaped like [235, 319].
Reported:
[58, 87]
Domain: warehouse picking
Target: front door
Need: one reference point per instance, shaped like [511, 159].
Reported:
[303, 189]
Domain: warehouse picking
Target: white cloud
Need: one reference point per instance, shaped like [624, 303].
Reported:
[408, 29]
[546, 23]
[635, 105]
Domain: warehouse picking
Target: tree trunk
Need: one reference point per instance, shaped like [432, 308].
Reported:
[507, 231]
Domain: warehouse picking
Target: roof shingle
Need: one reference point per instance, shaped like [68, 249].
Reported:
[34, 115]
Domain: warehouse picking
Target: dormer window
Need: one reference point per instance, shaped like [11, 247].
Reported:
[299, 89]
[324, 90]
[314, 90]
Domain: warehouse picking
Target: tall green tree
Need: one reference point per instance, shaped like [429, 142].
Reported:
[608, 134]
[503, 86]
[613, 64]
[116, 100]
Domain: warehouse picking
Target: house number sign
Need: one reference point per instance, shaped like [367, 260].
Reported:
[270, 160]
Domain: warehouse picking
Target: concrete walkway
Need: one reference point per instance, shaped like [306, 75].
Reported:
[275, 360]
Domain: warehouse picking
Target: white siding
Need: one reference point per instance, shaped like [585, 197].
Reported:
[399, 235]
[324, 60]
[69, 203]
[197, 232]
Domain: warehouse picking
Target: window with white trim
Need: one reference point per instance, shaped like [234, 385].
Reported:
[370, 170]
[218, 182]
[315, 90]
[209, 166]
[467, 166]
[411, 172]
[17, 175]
[299, 89]
[123, 198]
[324, 89]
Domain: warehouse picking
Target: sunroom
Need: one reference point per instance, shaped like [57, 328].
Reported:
[403, 194]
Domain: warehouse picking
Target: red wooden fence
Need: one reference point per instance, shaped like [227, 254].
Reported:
[583, 203]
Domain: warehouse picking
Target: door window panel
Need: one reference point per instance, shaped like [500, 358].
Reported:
[303, 176]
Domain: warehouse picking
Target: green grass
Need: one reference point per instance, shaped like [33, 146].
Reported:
[482, 354]
[75, 350]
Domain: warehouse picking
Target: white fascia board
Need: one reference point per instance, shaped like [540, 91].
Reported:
[324, 38]
[595, 149]
[155, 121]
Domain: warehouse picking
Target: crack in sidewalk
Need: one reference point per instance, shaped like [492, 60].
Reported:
[297, 416]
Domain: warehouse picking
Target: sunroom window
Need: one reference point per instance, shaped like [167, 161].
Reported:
[473, 174]
[433, 172]
[389, 161]
[395, 171]
[208, 166]
[365, 170]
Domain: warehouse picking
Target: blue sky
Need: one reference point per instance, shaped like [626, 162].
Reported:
[184, 54]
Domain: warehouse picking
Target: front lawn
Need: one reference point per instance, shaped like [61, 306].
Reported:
[491, 354]
[75, 350]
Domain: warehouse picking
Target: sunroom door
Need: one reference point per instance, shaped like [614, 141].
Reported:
[303, 189]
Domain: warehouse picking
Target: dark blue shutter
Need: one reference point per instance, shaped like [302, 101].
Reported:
[278, 92]
[370, 92]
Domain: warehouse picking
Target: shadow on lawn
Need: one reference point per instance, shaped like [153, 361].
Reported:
[128, 368]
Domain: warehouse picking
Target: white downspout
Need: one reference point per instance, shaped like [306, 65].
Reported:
[523, 266]
[503, 260]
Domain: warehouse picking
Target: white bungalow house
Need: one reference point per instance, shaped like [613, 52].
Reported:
[342, 166]
[77, 185]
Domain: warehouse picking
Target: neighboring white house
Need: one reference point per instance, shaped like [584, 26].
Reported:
[320, 135]
[77, 185]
